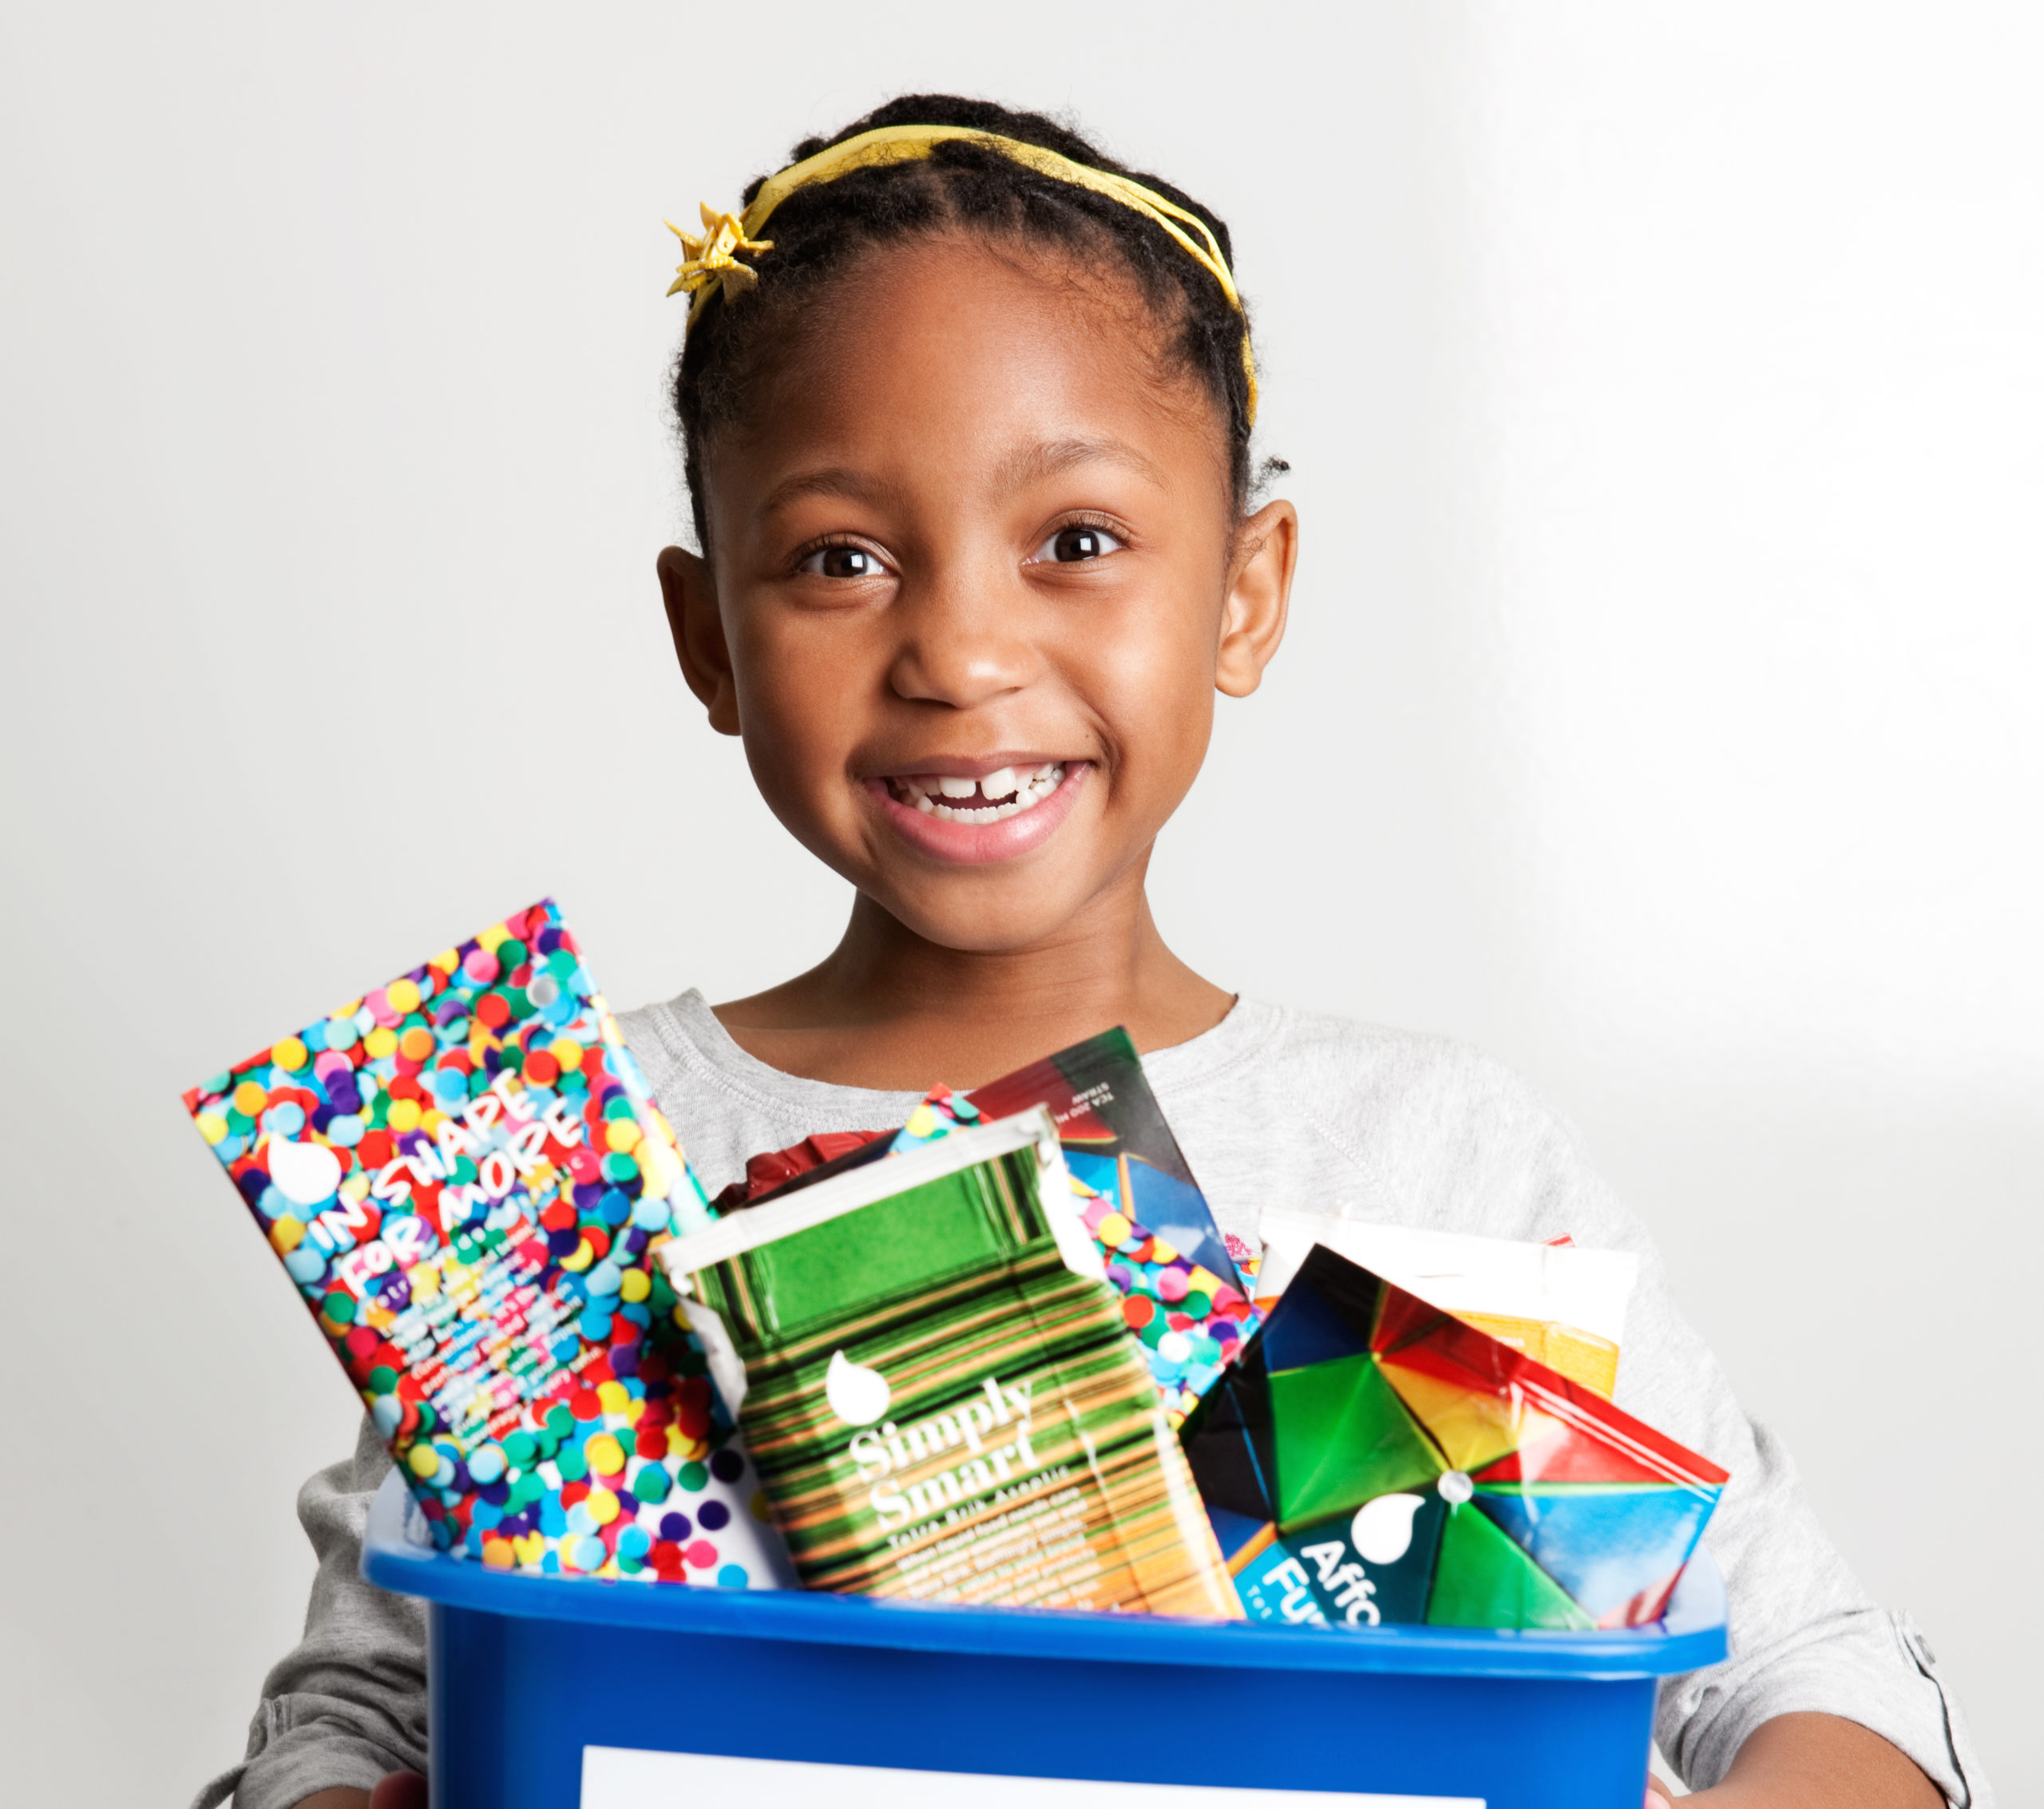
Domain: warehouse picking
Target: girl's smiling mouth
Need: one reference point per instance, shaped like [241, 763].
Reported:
[974, 812]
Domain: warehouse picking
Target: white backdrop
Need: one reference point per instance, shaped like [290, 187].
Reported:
[1663, 389]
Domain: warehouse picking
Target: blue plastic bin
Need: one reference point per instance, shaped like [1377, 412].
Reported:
[527, 1672]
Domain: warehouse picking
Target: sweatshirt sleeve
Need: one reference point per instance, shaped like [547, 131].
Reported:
[1803, 1635]
[346, 1706]
[1433, 1133]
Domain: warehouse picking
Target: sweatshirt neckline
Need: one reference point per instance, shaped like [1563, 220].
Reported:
[1250, 1024]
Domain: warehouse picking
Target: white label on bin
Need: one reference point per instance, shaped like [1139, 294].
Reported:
[615, 1777]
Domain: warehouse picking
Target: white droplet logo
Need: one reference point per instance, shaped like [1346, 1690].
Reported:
[305, 1174]
[1382, 1531]
[857, 1395]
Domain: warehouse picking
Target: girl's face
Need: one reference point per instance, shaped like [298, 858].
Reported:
[975, 576]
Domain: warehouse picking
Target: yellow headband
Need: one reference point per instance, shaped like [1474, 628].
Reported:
[711, 264]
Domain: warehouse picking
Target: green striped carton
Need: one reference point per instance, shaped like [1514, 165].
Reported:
[939, 1390]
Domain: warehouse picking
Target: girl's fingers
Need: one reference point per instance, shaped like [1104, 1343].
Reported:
[406, 1790]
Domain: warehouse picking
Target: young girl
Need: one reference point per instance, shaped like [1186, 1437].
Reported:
[966, 414]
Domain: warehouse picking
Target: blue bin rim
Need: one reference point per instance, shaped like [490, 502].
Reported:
[1690, 1636]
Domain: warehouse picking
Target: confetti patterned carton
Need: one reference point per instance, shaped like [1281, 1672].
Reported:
[466, 1174]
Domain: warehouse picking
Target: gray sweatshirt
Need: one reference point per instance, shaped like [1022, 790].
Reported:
[1272, 1105]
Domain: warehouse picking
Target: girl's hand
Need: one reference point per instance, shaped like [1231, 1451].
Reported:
[401, 1789]
[1811, 1761]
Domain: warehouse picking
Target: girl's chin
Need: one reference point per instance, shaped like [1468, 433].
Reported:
[979, 845]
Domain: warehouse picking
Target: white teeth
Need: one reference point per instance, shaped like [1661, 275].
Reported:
[1027, 794]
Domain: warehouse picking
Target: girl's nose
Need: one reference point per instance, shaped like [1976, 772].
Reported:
[965, 641]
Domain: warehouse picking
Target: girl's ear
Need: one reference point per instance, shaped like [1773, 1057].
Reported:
[689, 589]
[1259, 595]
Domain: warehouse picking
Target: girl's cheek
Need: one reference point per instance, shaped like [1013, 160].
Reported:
[801, 717]
[782, 667]
[1150, 674]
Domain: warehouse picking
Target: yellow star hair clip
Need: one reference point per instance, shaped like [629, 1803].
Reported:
[711, 259]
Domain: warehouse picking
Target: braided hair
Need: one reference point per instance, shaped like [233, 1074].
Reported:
[820, 229]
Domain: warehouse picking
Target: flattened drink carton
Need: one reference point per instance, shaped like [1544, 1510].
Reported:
[937, 1387]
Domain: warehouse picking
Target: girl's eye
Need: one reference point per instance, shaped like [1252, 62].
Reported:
[1068, 545]
[842, 562]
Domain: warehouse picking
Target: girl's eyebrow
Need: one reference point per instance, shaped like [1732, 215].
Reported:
[832, 480]
[1053, 458]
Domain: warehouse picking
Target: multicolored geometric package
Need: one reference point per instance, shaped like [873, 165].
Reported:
[1373, 1459]
[466, 1174]
[940, 1390]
